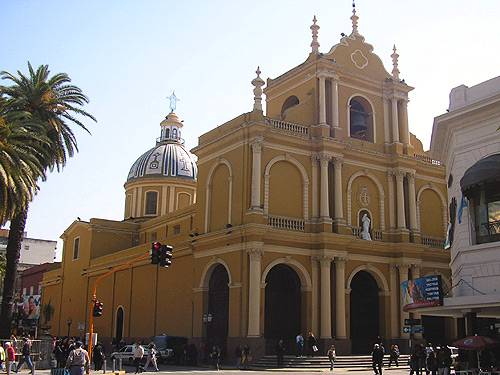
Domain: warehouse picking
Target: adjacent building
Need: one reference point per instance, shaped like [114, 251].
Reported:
[305, 217]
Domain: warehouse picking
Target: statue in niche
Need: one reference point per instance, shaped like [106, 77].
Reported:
[365, 228]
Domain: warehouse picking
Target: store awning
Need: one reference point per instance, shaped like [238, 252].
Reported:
[485, 171]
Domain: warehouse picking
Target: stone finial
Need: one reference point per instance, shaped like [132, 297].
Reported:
[257, 91]
[395, 70]
[314, 43]
[354, 19]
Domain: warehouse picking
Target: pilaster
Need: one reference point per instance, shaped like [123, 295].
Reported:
[255, 258]
[340, 299]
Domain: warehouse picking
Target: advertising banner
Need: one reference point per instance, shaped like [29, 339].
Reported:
[422, 292]
[27, 307]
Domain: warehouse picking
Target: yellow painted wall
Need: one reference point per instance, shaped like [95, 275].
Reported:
[431, 223]
[285, 190]
[219, 198]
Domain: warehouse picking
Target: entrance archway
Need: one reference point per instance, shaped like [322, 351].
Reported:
[282, 307]
[364, 306]
[218, 307]
[119, 325]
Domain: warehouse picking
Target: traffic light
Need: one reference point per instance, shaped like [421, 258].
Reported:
[155, 252]
[166, 253]
[97, 308]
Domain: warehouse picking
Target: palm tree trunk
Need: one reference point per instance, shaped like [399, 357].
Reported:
[17, 225]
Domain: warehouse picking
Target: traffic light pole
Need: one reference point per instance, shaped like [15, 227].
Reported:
[94, 293]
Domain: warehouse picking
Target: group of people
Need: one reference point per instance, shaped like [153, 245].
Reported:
[8, 355]
[138, 354]
[432, 360]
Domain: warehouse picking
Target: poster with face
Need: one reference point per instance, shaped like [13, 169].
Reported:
[31, 307]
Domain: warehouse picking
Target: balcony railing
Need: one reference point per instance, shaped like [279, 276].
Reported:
[286, 223]
[438, 243]
[427, 159]
[375, 234]
[288, 127]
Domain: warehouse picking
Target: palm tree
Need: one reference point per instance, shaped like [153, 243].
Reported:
[53, 104]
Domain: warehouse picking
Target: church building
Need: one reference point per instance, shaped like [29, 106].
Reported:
[304, 217]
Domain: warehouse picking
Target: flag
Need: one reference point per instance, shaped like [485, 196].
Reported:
[463, 203]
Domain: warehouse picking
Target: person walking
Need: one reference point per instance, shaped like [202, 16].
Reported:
[152, 357]
[138, 353]
[414, 363]
[280, 351]
[432, 363]
[312, 343]
[299, 342]
[78, 360]
[215, 356]
[331, 356]
[2, 357]
[246, 356]
[98, 356]
[377, 359]
[394, 355]
[26, 357]
[10, 357]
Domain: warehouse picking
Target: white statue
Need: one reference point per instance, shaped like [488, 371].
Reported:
[365, 232]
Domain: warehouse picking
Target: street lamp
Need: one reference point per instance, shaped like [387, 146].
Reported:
[68, 322]
[207, 318]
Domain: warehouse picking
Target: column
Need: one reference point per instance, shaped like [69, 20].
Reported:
[394, 287]
[314, 293]
[403, 276]
[340, 318]
[326, 312]
[390, 190]
[412, 201]
[324, 209]
[314, 188]
[387, 132]
[405, 135]
[255, 256]
[335, 103]
[256, 174]
[400, 200]
[322, 100]
[339, 212]
[395, 125]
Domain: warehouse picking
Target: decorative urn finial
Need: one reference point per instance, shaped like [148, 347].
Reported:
[257, 91]
[314, 43]
[354, 19]
[395, 70]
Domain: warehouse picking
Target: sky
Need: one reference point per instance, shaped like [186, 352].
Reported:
[128, 56]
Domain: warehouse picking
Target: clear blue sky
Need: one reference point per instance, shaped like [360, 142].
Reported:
[128, 56]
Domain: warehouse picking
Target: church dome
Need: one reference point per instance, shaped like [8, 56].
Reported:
[168, 158]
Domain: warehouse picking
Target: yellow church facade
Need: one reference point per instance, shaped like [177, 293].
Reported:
[304, 218]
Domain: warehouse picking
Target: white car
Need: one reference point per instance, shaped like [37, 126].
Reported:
[127, 354]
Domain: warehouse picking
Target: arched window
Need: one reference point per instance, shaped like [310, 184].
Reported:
[174, 133]
[151, 202]
[119, 324]
[167, 133]
[290, 102]
[360, 119]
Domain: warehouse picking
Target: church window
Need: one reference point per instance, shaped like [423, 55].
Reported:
[290, 102]
[361, 119]
[167, 133]
[174, 133]
[76, 248]
[151, 202]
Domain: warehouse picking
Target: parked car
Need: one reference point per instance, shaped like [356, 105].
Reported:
[170, 348]
[127, 354]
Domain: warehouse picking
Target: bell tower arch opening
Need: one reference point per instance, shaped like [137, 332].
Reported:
[361, 119]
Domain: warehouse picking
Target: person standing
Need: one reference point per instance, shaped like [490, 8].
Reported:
[138, 354]
[431, 363]
[312, 343]
[331, 356]
[10, 357]
[215, 356]
[152, 357]
[78, 360]
[238, 354]
[280, 351]
[2, 357]
[377, 359]
[98, 356]
[246, 356]
[299, 342]
[26, 356]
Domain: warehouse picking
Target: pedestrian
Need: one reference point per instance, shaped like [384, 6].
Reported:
[331, 356]
[312, 343]
[59, 355]
[444, 360]
[78, 360]
[280, 351]
[414, 363]
[377, 359]
[138, 353]
[299, 342]
[98, 356]
[238, 354]
[215, 356]
[428, 350]
[152, 357]
[394, 355]
[10, 357]
[2, 357]
[431, 363]
[246, 356]
[26, 356]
